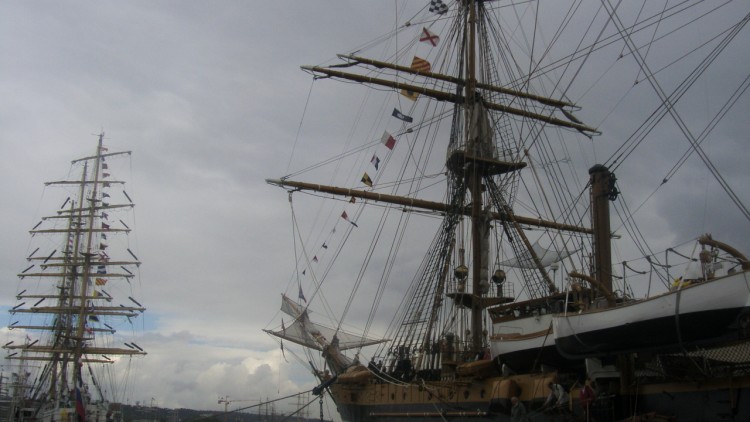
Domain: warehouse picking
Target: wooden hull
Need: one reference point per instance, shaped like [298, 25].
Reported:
[699, 314]
[707, 400]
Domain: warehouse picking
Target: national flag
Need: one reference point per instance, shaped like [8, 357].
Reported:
[315, 258]
[401, 116]
[101, 269]
[80, 409]
[366, 180]
[105, 216]
[388, 140]
[437, 6]
[105, 226]
[105, 204]
[105, 195]
[93, 318]
[325, 246]
[104, 236]
[104, 149]
[103, 256]
[105, 184]
[429, 37]
[302, 295]
[410, 94]
[375, 161]
[101, 281]
[352, 200]
[346, 217]
[104, 166]
[89, 330]
[105, 174]
[420, 65]
[102, 246]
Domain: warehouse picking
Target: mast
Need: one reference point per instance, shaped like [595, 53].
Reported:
[603, 190]
[75, 270]
[474, 183]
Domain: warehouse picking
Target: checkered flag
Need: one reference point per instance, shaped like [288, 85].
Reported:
[437, 6]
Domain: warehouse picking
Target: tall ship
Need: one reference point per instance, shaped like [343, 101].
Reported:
[474, 231]
[71, 332]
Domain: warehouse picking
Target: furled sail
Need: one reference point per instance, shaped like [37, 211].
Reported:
[315, 336]
[546, 256]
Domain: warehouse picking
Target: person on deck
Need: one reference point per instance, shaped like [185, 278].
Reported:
[517, 410]
[587, 396]
[558, 398]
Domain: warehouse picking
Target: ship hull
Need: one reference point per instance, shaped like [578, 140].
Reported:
[707, 400]
[699, 314]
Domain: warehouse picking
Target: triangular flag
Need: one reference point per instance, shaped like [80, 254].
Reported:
[304, 271]
[429, 37]
[315, 258]
[351, 201]
[420, 65]
[325, 246]
[437, 6]
[346, 217]
[366, 180]
[375, 161]
[301, 295]
[388, 140]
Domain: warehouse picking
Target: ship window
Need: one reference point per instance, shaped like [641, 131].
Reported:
[393, 396]
[481, 393]
[466, 394]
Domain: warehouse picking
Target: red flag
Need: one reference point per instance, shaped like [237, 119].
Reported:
[420, 65]
[388, 140]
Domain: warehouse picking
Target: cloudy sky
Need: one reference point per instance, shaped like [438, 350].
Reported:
[209, 97]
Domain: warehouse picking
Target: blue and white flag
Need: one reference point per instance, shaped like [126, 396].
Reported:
[401, 116]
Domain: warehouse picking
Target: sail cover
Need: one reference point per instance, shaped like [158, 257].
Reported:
[546, 256]
[315, 336]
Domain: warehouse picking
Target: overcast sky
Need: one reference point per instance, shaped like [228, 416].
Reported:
[209, 97]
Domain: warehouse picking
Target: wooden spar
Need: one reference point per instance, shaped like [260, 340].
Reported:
[423, 204]
[607, 291]
[707, 240]
[89, 350]
[100, 156]
[458, 81]
[454, 98]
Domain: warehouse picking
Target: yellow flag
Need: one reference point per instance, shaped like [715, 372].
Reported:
[366, 180]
